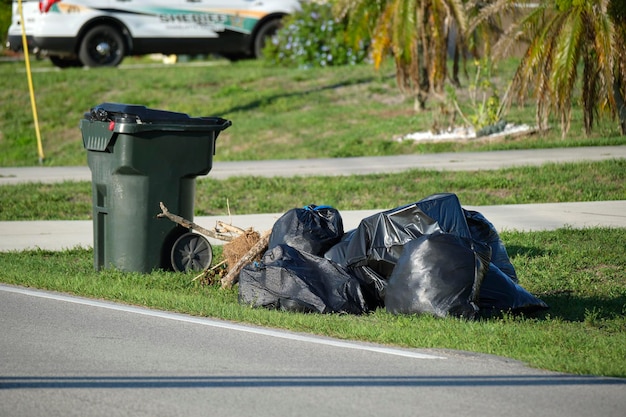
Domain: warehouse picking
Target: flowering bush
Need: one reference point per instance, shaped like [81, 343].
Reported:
[313, 38]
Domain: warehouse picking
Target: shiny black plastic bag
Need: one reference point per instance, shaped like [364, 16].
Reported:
[482, 230]
[292, 280]
[500, 290]
[372, 283]
[439, 274]
[378, 241]
[373, 286]
[363, 260]
[313, 229]
[499, 293]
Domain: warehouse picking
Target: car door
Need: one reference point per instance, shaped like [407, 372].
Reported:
[181, 19]
[189, 26]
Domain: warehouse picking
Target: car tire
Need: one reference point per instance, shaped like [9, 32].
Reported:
[264, 33]
[62, 62]
[235, 56]
[102, 46]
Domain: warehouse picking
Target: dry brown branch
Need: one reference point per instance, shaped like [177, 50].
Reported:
[208, 270]
[233, 271]
[227, 237]
[230, 228]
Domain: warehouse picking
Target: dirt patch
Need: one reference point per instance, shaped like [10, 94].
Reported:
[238, 247]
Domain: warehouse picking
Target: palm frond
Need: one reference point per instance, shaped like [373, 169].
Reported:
[568, 48]
[381, 41]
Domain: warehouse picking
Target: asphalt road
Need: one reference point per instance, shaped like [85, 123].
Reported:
[67, 356]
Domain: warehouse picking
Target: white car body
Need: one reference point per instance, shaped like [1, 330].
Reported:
[100, 33]
[30, 11]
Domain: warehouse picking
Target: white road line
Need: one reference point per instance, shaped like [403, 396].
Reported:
[220, 324]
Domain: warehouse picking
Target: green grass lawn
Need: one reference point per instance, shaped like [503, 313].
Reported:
[277, 113]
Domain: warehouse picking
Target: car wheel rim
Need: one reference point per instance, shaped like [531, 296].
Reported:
[104, 50]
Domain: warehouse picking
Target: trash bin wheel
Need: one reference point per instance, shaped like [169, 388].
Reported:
[191, 252]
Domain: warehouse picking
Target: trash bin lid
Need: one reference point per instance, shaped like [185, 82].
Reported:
[100, 125]
[133, 113]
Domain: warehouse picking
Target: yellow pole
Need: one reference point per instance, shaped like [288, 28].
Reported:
[30, 84]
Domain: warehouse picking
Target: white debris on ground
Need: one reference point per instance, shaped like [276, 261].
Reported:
[463, 133]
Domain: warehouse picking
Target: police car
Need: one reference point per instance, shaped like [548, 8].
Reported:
[30, 10]
[97, 33]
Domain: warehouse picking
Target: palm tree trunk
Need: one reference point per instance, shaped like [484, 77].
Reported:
[620, 104]
[455, 67]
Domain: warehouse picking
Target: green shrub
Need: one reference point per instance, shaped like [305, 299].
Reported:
[313, 37]
[5, 20]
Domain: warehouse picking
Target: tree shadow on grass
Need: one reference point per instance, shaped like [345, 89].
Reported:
[265, 101]
[527, 251]
[569, 305]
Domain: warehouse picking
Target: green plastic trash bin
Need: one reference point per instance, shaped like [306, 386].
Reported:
[138, 158]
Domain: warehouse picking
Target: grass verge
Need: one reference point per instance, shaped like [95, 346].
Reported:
[551, 183]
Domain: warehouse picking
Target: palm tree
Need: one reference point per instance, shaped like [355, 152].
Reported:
[414, 32]
[564, 37]
[617, 10]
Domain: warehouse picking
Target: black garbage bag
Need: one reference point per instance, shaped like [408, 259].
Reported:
[378, 241]
[373, 286]
[446, 210]
[292, 280]
[313, 229]
[499, 293]
[438, 274]
[500, 290]
[339, 251]
[482, 230]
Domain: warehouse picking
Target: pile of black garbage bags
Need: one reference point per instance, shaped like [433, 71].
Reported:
[431, 257]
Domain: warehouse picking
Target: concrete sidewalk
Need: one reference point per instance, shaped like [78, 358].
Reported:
[56, 235]
[450, 161]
